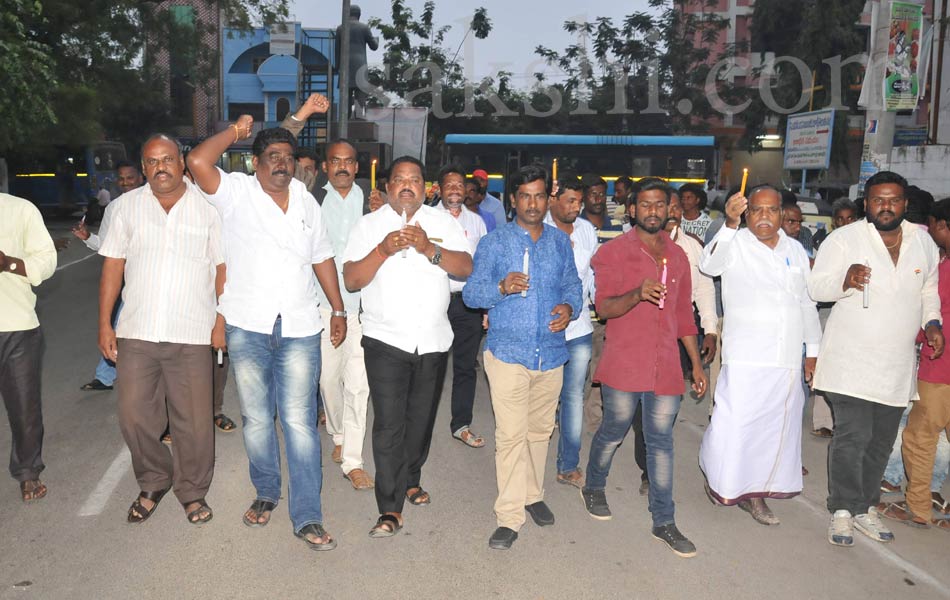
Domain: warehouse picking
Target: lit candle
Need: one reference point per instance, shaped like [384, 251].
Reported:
[745, 178]
[554, 171]
[867, 288]
[372, 175]
[220, 357]
[663, 281]
[524, 269]
[405, 221]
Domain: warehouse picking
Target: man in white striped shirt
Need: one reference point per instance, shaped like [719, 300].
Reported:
[165, 241]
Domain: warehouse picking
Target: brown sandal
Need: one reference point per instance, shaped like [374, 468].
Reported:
[32, 490]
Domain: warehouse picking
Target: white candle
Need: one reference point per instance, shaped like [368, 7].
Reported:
[867, 288]
[524, 269]
[220, 356]
[405, 221]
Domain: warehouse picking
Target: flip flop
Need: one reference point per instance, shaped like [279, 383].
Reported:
[468, 438]
[386, 526]
[317, 530]
[259, 507]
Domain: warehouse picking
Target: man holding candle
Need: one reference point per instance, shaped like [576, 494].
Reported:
[867, 358]
[629, 274]
[402, 266]
[533, 301]
[752, 448]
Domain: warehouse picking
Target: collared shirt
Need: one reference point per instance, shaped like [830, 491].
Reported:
[496, 207]
[584, 244]
[697, 226]
[704, 290]
[23, 235]
[170, 261]
[406, 303]
[94, 241]
[340, 215]
[870, 353]
[613, 228]
[488, 218]
[768, 313]
[518, 326]
[937, 371]
[474, 228]
[641, 353]
[270, 256]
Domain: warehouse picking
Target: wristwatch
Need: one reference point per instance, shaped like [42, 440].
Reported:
[338, 313]
[437, 257]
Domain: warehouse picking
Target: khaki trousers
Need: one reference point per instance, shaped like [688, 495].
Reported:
[345, 390]
[928, 419]
[524, 402]
[185, 408]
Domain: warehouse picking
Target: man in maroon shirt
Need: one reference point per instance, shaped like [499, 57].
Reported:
[644, 293]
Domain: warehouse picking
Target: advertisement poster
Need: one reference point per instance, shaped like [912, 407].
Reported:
[901, 84]
[808, 139]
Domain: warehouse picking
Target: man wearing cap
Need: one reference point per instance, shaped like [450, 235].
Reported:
[490, 204]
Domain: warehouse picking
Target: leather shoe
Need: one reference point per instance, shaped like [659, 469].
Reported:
[502, 539]
[540, 514]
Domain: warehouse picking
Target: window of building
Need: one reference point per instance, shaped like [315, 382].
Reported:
[283, 107]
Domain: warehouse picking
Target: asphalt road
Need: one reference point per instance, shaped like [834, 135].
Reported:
[76, 543]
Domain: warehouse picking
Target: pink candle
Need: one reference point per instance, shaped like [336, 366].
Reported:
[663, 281]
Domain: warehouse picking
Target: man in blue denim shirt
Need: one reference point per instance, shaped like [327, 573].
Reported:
[529, 309]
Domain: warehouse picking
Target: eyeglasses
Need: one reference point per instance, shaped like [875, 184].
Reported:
[336, 162]
[166, 161]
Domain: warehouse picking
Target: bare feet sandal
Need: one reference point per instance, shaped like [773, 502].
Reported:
[258, 514]
[200, 512]
[138, 512]
[418, 496]
[222, 422]
[386, 526]
[316, 537]
[465, 435]
[32, 490]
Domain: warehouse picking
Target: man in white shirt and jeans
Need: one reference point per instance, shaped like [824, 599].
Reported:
[165, 242]
[867, 360]
[275, 242]
[401, 257]
[466, 322]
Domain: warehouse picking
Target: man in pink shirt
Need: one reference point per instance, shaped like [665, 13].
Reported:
[644, 290]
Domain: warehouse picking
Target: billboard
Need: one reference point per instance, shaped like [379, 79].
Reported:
[901, 82]
[808, 139]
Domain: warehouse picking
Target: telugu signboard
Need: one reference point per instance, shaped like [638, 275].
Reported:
[808, 139]
[901, 84]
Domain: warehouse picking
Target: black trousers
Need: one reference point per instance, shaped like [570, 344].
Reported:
[857, 455]
[467, 327]
[20, 353]
[405, 389]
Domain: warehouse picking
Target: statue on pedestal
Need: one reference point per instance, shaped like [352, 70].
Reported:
[361, 36]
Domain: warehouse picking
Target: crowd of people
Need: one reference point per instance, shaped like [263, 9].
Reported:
[319, 288]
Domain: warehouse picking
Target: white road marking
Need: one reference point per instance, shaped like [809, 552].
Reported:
[77, 261]
[96, 502]
[882, 551]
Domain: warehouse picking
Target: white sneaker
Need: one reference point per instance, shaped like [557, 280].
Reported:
[840, 532]
[870, 525]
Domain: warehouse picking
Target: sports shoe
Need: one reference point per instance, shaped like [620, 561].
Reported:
[678, 543]
[840, 531]
[595, 501]
[870, 525]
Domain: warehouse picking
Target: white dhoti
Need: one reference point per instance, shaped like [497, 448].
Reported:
[753, 446]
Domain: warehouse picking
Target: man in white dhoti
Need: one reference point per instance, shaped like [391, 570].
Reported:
[752, 448]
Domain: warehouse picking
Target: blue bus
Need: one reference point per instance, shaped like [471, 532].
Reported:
[64, 180]
[677, 158]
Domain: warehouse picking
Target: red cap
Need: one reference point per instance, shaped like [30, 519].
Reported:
[480, 174]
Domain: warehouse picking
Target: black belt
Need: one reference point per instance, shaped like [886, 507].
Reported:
[456, 294]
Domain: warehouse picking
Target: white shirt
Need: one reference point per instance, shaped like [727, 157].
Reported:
[340, 215]
[94, 242]
[270, 256]
[170, 261]
[704, 290]
[768, 314]
[584, 243]
[406, 303]
[474, 227]
[870, 353]
[103, 197]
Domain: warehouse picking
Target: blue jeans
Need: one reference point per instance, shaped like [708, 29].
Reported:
[276, 378]
[894, 473]
[659, 414]
[571, 411]
[105, 369]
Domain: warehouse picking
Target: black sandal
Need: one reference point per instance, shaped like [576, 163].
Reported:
[317, 530]
[419, 498]
[386, 526]
[138, 513]
[194, 517]
[259, 507]
[224, 423]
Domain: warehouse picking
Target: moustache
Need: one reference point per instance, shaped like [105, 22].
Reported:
[342, 173]
[280, 172]
[160, 173]
[407, 194]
